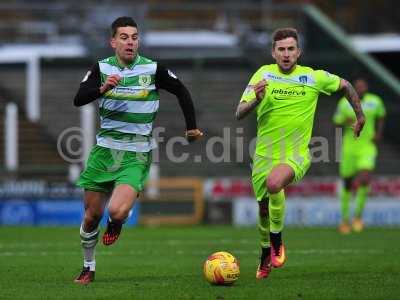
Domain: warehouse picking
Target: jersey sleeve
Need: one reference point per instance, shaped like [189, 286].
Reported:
[165, 79]
[327, 83]
[89, 88]
[249, 93]
[380, 111]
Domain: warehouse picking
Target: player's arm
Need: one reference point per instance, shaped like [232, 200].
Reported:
[91, 89]
[166, 80]
[379, 120]
[245, 107]
[379, 124]
[353, 98]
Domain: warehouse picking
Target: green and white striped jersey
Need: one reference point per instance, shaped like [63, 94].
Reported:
[127, 111]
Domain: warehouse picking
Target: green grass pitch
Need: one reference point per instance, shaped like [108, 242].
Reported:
[166, 263]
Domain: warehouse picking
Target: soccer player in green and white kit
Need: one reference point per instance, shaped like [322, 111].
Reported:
[127, 85]
[285, 96]
[358, 155]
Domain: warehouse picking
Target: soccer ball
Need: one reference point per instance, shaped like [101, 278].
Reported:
[221, 268]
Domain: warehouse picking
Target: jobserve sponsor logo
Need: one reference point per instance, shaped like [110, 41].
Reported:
[282, 94]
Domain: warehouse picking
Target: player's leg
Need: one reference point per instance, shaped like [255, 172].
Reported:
[279, 177]
[345, 196]
[121, 203]
[264, 267]
[94, 203]
[363, 182]
[130, 179]
[261, 167]
[347, 171]
[365, 165]
[97, 183]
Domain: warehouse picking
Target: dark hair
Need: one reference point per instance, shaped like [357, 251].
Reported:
[122, 22]
[361, 78]
[283, 33]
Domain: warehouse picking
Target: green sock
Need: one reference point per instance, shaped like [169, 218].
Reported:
[276, 211]
[263, 229]
[361, 197]
[345, 204]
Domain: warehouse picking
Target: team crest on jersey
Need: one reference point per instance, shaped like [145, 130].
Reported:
[144, 80]
[303, 79]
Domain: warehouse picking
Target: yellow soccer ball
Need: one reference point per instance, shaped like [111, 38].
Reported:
[221, 268]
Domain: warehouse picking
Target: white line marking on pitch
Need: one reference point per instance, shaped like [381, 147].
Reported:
[170, 242]
[190, 253]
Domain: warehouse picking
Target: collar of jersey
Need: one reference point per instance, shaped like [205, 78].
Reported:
[130, 66]
[294, 71]
[366, 96]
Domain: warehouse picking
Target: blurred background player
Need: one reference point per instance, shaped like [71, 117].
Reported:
[285, 95]
[358, 154]
[127, 85]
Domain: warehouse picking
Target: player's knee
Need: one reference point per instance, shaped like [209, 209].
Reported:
[94, 215]
[92, 220]
[118, 213]
[364, 179]
[273, 186]
[348, 183]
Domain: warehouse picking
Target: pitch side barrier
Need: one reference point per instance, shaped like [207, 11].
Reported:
[176, 201]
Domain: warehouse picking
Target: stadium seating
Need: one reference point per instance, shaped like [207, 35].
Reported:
[216, 84]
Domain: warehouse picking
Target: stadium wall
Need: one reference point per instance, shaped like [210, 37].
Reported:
[227, 200]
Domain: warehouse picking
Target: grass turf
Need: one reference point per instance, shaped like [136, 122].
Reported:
[166, 263]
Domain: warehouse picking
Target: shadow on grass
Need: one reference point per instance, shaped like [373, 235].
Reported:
[138, 280]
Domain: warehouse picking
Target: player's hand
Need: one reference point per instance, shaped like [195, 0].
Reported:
[193, 134]
[358, 126]
[111, 82]
[259, 89]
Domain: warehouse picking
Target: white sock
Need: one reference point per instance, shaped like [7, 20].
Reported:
[88, 258]
[89, 241]
[91, 264]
